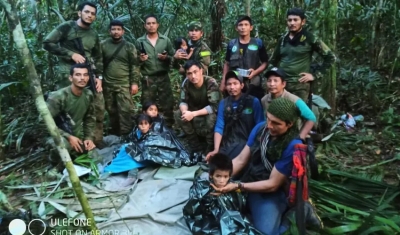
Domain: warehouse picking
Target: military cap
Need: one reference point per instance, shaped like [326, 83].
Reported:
[195, 25]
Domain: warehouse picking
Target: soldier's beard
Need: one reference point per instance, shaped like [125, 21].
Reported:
[116, 39]
[85, 23]
[296, 31]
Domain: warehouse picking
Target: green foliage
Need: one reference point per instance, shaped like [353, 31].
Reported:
[357, 205]
[390, 118]
[367, 42]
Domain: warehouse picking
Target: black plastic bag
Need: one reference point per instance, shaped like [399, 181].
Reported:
[218, 215]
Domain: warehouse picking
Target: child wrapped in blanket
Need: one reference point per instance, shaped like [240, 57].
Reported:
[208, 211]
[150, 143]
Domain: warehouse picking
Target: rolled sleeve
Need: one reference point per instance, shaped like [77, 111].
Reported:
[305, 111]
[209, 109]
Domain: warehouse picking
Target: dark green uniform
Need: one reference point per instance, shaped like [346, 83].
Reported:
[60, 42]
[207, 96]
[294, 56]
[156, 84]
[81, 111]
[201, 53]
[120, 73]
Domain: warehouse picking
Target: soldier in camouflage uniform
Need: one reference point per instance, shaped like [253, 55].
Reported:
[62, 42]
[293, 54]
[155, 63]
[74, 102]
[121, 79]
[201, 52]
[199, 103]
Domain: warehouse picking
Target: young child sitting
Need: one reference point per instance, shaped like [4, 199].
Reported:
[123, 161]
[208, 210]
[150, 108]
[144, 123]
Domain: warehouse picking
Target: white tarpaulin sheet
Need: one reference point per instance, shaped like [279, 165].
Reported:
[155, 204]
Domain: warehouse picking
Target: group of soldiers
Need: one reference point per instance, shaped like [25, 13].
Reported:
[118, 69]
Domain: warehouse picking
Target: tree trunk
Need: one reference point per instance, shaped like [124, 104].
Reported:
[217, 13]
[248, 7]
[36, 91]
[2, 156]
[328, 34]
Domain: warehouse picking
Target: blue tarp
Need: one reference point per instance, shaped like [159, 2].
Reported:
[123, 162]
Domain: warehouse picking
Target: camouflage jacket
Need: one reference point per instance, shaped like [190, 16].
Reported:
[153, 65]
[60, 42]
[123, 69]
[201, 53]
[294, 56]
[79, 108]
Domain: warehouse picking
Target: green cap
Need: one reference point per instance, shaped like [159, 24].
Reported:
[195, 25]
[284, 109]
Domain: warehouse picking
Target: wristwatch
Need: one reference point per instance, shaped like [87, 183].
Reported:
[100, 77]
[240, 186]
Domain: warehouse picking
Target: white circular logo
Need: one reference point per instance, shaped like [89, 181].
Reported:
[17, 227]
[38, 224]
[234, 48]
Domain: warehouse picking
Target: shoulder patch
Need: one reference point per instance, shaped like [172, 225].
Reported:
[253, 47]
[234, 48]
[205, 53]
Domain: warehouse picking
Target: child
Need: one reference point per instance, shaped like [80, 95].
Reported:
[181, 44]
[144, 123]
[207, 210]
[150, 108]
[123, 160]
[220, 170]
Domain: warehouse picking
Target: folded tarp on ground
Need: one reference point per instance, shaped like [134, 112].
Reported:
[154, 206]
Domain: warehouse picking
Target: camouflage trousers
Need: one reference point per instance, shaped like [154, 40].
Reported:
[158, 89]
[62, 80]
[302, 90]
[120, 109]
[202, 126]
[99, 110]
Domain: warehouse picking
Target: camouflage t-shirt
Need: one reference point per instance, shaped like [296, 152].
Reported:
[79, 108]
[198, 98]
